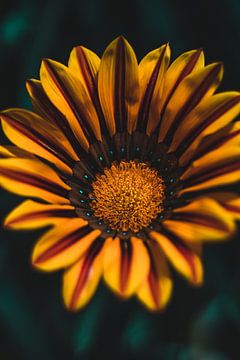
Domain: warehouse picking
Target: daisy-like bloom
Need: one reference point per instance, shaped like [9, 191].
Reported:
[134, 167]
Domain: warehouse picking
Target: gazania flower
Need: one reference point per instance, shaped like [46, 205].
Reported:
[134, 167]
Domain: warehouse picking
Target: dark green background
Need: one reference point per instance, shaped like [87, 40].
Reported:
[199, 324]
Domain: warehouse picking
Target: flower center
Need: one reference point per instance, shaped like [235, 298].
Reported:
[128, 196]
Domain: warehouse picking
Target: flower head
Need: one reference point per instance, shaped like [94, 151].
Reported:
[134, 166]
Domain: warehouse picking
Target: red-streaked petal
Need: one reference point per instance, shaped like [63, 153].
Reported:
[29, 131]
[184, 65]
[118, 86]
[152, 69]
[217, 168]
[29, 177]
[63, 245]
[31, 214]
[11, 151]
[43, 106]
[202, 220]
[193, 89]
[230, 201]
[182, 256]
[85, 64]
[206, 119]
[69, 95]
[126, 265]
[156, 289]
[81, 280]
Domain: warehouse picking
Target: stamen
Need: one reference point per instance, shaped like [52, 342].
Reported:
[128, 196]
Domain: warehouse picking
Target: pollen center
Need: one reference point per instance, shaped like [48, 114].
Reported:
[128, 196]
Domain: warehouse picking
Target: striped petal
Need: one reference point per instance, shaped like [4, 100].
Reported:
[230, 201]
[184, 257]
[29, 131]
[184, 65]
[193, 89]
[156, 289]
[227, 137]
[207, 118]
[152, 69]
[31, 214]
[81, 280]
[201, 220]
[43, 106]
[217, 168]
[126, 265]
[63, 245]
[29, 177]
[11, 151]
[85, 64]
[69, 95]
[118, 86]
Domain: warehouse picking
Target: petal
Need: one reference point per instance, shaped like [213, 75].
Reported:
[63, 245]
[183, 257]
[185, 64]
[41, 103]
[81, 280]
[207, 118]
[126, 265]
[85, 64]
[11, 151]
[193, 89]
[29, 177]
[152, 69]
[230, 201]
[69, 95]
[156, 289]
[217, 168]
[31, 214]
[29, 131]
[118, 86]
[229, 135]
[43, 106]
[201, 220]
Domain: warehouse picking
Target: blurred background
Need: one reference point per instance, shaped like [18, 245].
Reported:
[199, 324]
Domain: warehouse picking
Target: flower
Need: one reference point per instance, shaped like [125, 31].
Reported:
[134, 165]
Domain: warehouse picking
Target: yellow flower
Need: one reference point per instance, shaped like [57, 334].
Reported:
[134, 164]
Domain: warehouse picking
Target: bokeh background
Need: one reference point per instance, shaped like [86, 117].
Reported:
[199, 324]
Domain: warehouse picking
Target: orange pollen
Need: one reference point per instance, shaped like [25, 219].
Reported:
[128, 196]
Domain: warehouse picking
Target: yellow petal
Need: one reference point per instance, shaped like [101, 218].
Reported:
[85, 64]
[118, 86]
[69, 95]
[29, 177]
[29, 131]
[184, 65]
[41, 103]
[43, 106]
[31, 214]
[183, 257]
[218, 167]
[201, 220]
[11, 151]
[126, 265]
[230, 201]
[81, 280]
[156, 289]
[152, 69]
[193, 89]
[206, 119]
[63, 245]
